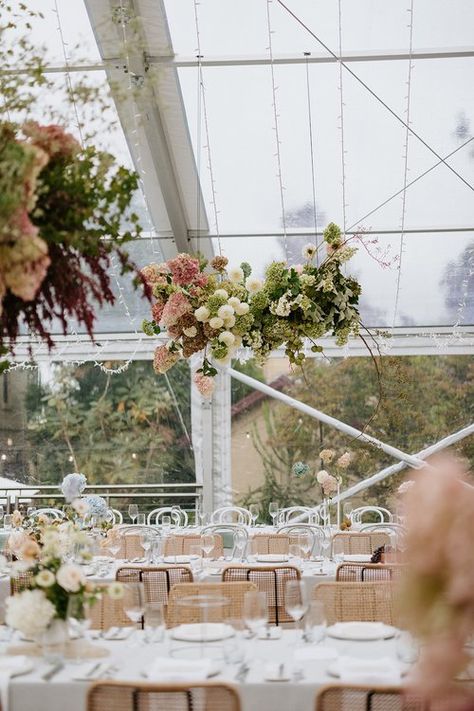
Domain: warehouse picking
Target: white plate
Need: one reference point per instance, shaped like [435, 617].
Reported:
[333, 670]
[215, 668]
[202, 632]
[177, 559]
[25, 668]
[272, 558]
[361, 631]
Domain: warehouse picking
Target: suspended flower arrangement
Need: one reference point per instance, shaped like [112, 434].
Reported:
[218, 310]
[62, 211]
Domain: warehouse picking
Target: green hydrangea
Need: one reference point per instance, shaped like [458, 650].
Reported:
[332, 234]
[246, 268]
[243, 324]
[214, 303]
[219, 349]
[259, 301]
[276, 276]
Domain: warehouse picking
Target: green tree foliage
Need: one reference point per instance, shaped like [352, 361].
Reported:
[127, 427]
[424, 398]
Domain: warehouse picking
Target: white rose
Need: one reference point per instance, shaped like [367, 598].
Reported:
[45, 579]
[221, 292]
[225, 311]
[253, 285]
[70, 577]
[321, 476]
[227, 337]
[234, 302]
[190, 332]
[235, 274]
[202, 313]
[229, 322]
[216, 323]
[30, 612]
[242, 309]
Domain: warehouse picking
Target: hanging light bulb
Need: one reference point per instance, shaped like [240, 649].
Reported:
[4, 457]
[9, 442]
[70, 458]
[134, 455]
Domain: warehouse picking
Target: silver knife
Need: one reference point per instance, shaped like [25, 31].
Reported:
[48, 675]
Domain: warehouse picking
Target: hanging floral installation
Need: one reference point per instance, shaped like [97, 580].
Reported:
[218, 310]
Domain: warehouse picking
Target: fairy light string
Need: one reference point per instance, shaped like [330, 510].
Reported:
[341, 120]
[311, 150]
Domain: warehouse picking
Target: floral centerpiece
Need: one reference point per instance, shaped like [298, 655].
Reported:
[221, 309]
[73, 485]
[50, 584]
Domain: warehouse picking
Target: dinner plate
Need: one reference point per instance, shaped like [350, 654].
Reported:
[177, 559]
[333, 670]
[202, 632]
[361, 631]
[25, 668]
[272, 558]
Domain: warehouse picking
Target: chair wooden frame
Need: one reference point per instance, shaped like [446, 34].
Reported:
[368, 572]
[275, 592]
[96, 692]
[364, 602]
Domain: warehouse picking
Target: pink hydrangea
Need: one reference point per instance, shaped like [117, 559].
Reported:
[154, 274]
[176, 306]
[204, 384]
[157, 310]
[184, 269]
[164, 359]
[53, 139]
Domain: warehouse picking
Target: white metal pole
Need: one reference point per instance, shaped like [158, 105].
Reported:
[327, 419]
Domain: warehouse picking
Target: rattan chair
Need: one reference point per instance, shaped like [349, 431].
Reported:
[20, 582]
[123, 696]
[181, 613]
[361, 543]
[108, 612]
[270, 580]
[269, 543]
[364, 602]
[181, 545]
[345, 697]
[368, 572]
[157, 580]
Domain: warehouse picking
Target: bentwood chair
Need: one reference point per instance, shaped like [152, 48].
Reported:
[368, 572]
[293, 529]
[381, 514]
[181, 545]
[157, 581]
[178, 516]
[232, 514]
[364, 602]
[180, 611]
[361, 543]
[127, 696]
[238, 533]
[345, 697]
[269, 579]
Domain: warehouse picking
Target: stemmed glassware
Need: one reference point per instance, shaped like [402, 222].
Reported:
[78, 620]
[134, 601]
[254, 512]
[315, 622]
[296, 600]
[255, 611]
[207, 544]
[305, 542]
[273, 510]
[146, 542]
[133, 512]
[338, 550]
[154, 622]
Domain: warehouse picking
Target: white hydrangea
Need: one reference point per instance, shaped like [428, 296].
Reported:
[234, 302]
[253, 285]
[225, 311]
[216, 323]
[190, 332]
[321, 476]
[235, 274]
[229, 322]
[282, 307]
[30, 612]
[227, 337]
[222, 293]
[202, 314]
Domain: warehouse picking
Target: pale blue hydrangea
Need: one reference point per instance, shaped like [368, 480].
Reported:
[73, 485]
[300, 469]
[97, 506]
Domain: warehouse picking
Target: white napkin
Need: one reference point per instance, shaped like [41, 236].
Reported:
[117, 633]
[307, 654]
[8, 666]
[177, 559]
[359, 558]
[272, 558]
[359, 630]
[382, 670]
[169, 669]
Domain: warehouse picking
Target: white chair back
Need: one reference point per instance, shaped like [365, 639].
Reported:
[178, 516]
[115, 516]
[316, 532]
[240, 536]
[384, 514]
[51, 513]
[228, 514]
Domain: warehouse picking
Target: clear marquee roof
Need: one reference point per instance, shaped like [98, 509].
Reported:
[250, 136]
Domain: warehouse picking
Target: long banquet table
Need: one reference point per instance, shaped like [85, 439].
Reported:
[129, 659]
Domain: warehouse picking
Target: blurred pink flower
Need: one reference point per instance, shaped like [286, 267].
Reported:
[204, 384]
[53, 139]
[176, 306]
[164, 359]
[184, 269]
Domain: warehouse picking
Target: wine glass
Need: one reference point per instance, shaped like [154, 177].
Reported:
[207, 544]
[134, 601]
[154, 622]
[133, 512]
[141, 519]
[146, 542]
[325, 543]
[255, 611]
[273, 510]
[166, 525]
[203, 518]
[305, 542]
[347, 509]
[315, 622]
[78, 621]
[254, 512]
[296, 600]
[295, 552]
[338, 550]
[114, 545]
